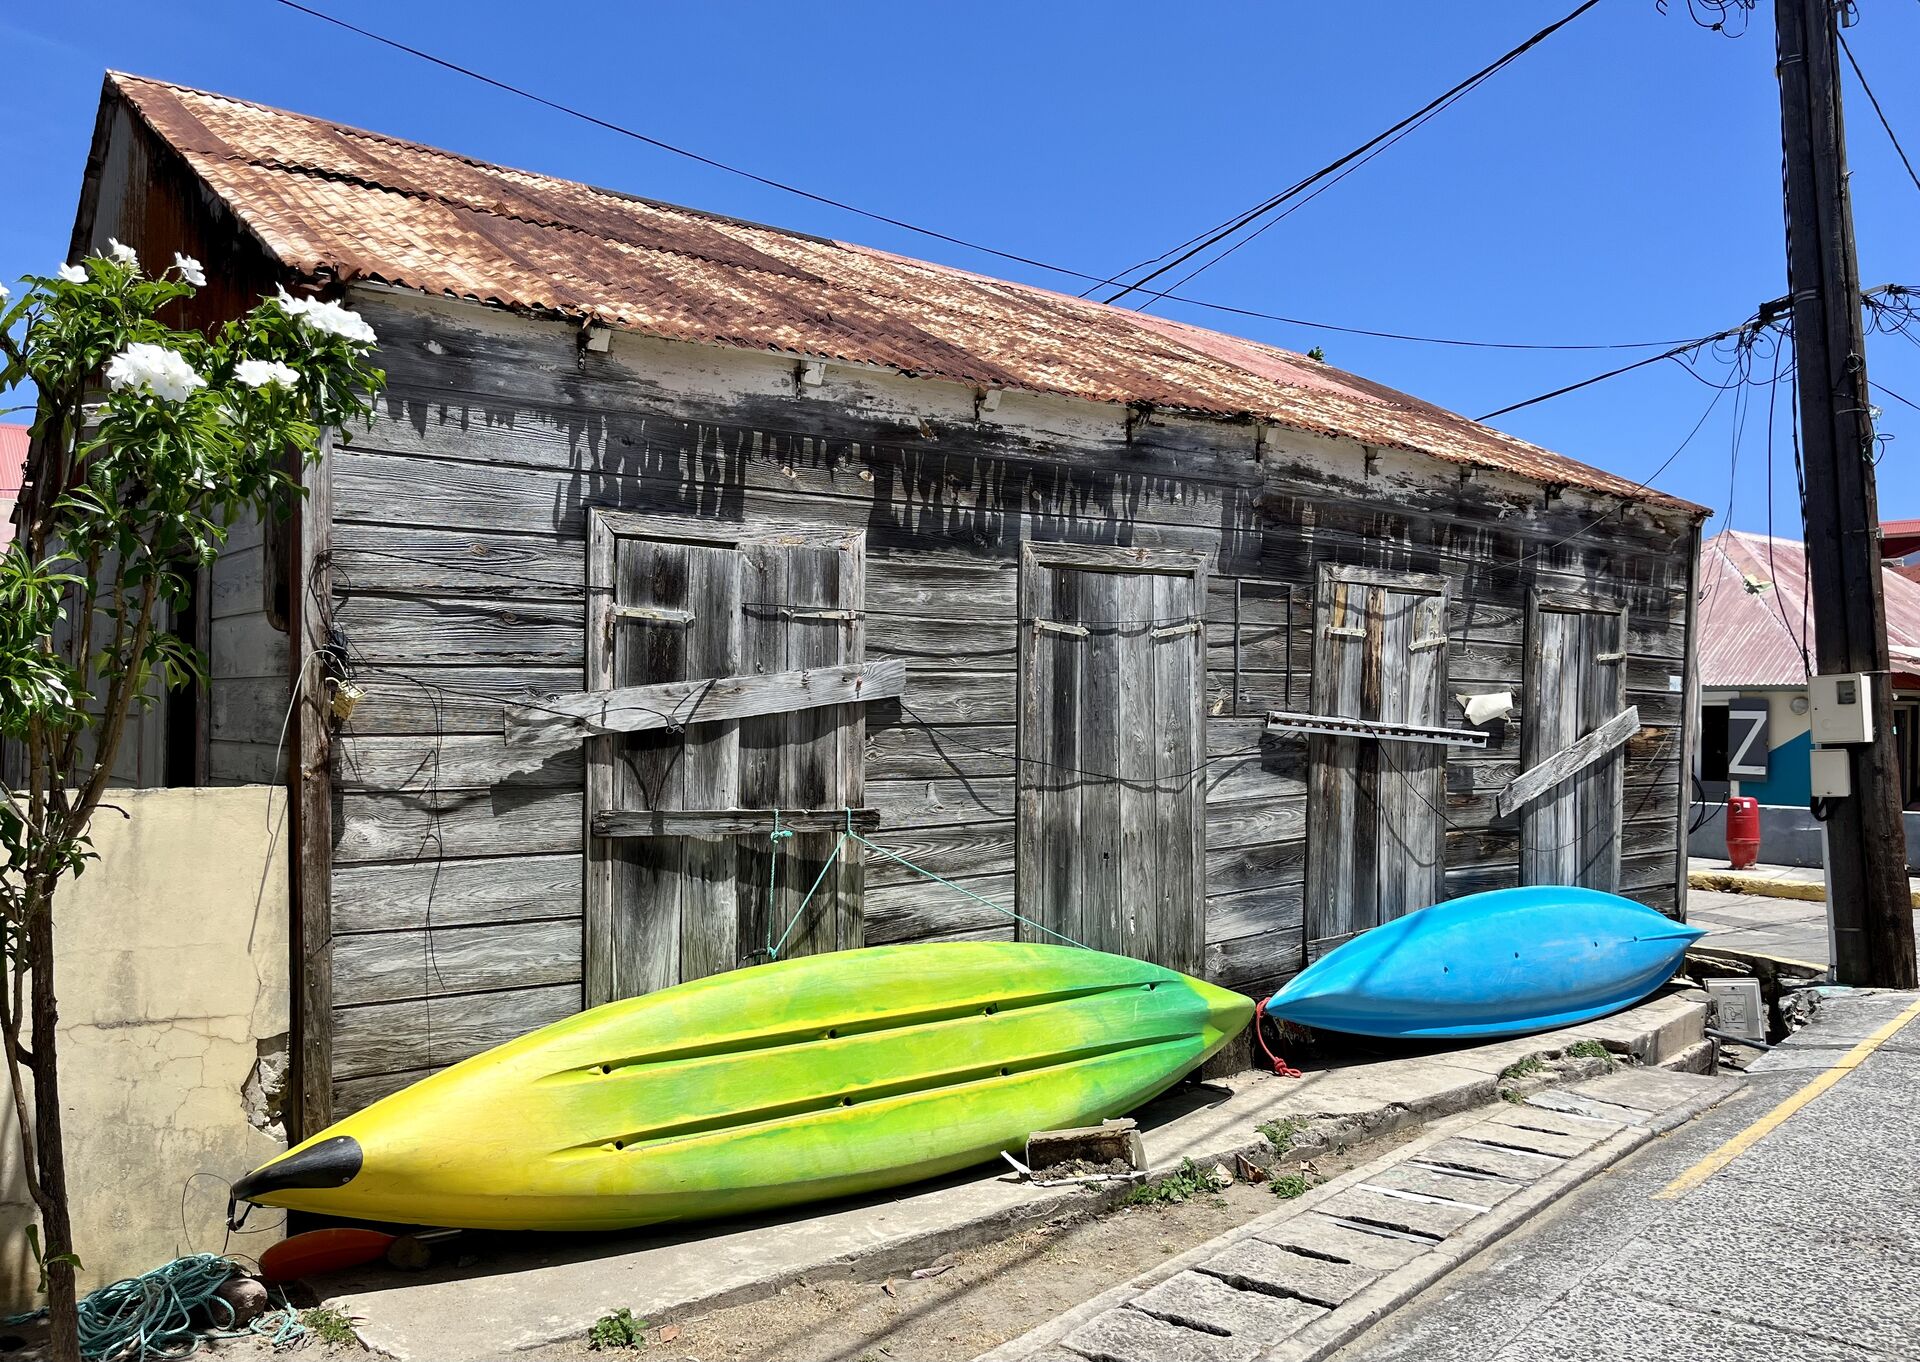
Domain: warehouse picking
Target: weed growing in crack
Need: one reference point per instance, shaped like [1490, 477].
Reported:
[617, 1330]
[1290, 1185]
[1188, 1180]
[1590, 1049]
[330, 1326]
[1524, 1068]
[1281, 1134]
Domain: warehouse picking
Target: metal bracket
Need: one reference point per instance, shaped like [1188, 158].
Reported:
[1056, 627]
[1339, 726]
[647, 614]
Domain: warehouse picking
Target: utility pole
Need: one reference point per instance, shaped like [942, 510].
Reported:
[1868, 903]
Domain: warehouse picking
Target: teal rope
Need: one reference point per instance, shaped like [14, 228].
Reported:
[773, 952]
[961, 888]
[773, 949]
[773, 866]
[151, 1316]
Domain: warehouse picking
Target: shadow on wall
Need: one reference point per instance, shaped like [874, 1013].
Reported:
[173, 1010]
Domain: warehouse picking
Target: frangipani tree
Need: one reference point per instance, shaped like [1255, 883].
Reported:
[147, 443]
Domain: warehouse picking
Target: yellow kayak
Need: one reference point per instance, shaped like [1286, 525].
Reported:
[823, 1076]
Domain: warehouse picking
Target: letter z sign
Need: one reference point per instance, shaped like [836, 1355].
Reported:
[1747, 739]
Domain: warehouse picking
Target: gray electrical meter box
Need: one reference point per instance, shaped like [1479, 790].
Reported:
[1842, 708]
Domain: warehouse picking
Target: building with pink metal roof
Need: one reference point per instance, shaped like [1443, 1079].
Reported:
[1755, 646]
[13, 463]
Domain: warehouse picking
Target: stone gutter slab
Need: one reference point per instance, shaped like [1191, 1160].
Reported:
[1375, 1240]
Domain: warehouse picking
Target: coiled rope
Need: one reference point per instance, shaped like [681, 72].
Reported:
[152, 1316]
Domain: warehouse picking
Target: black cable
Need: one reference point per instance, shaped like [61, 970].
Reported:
[1872, 383]
[1773, 572]
[1673, 353]
[1267, 205]
[1879, 113]
[1096, 281]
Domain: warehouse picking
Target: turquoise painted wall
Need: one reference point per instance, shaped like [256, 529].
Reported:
[1789, 775]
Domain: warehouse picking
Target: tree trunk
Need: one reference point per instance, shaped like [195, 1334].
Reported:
[64, 1345]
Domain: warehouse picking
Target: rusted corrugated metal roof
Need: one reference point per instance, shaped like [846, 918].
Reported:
[328, 199]
[1754, 612]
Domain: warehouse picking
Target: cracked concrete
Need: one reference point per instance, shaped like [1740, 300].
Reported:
[172, 975]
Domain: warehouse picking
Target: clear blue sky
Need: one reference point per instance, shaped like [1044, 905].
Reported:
[1619, 183]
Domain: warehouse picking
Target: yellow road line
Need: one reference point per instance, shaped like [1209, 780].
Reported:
[1759, 1130]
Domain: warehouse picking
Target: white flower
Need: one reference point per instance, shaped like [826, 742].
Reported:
[265, 373]
[328, 318]
[164, 373]
[124, 254]
[74, 274]
[190, 271]
[5, 293]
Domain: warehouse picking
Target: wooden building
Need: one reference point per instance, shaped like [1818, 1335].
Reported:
[682, 546]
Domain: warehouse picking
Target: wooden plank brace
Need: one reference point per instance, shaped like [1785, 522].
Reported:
[676, 704]
[1568, 761]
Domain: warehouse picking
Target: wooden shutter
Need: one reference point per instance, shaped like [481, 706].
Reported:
[1376, 833]
[664, 907]
[803, 608]
[1576, 683]
[1112, 788]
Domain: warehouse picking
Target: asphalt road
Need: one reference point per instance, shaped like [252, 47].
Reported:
[1806, 1245]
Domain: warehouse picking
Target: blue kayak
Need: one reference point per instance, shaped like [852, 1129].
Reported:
[1493, 964]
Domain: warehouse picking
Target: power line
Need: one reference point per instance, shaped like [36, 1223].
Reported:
[1096, 281]
[1266, 206]
[1881, 387]
[1879, 113]
[1763, 319]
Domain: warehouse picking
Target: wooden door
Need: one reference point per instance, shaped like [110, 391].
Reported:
[663, 909]
[1576, 682]
[1112, 780]
[1376, 827]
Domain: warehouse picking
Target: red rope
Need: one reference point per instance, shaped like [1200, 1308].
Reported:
[1281, 1068]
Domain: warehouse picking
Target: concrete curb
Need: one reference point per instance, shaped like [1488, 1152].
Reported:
[1332, 1330]
[1759, 882]
[1767, 885]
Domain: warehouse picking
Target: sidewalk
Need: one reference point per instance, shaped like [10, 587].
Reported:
[1772, 914]
[518, 1292]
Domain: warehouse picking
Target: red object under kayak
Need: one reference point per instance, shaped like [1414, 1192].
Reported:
[318, 1251]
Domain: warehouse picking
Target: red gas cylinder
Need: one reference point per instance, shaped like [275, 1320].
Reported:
[1743, 831]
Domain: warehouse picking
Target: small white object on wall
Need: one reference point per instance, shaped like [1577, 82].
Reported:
[1481, 709]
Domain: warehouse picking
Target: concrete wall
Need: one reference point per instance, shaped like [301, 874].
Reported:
[1789, 835]
[172, 976]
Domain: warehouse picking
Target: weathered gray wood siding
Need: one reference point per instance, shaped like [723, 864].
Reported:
[460, 554]
[247, 682]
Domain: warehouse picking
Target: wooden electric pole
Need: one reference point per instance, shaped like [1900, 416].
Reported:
[1867, 902]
